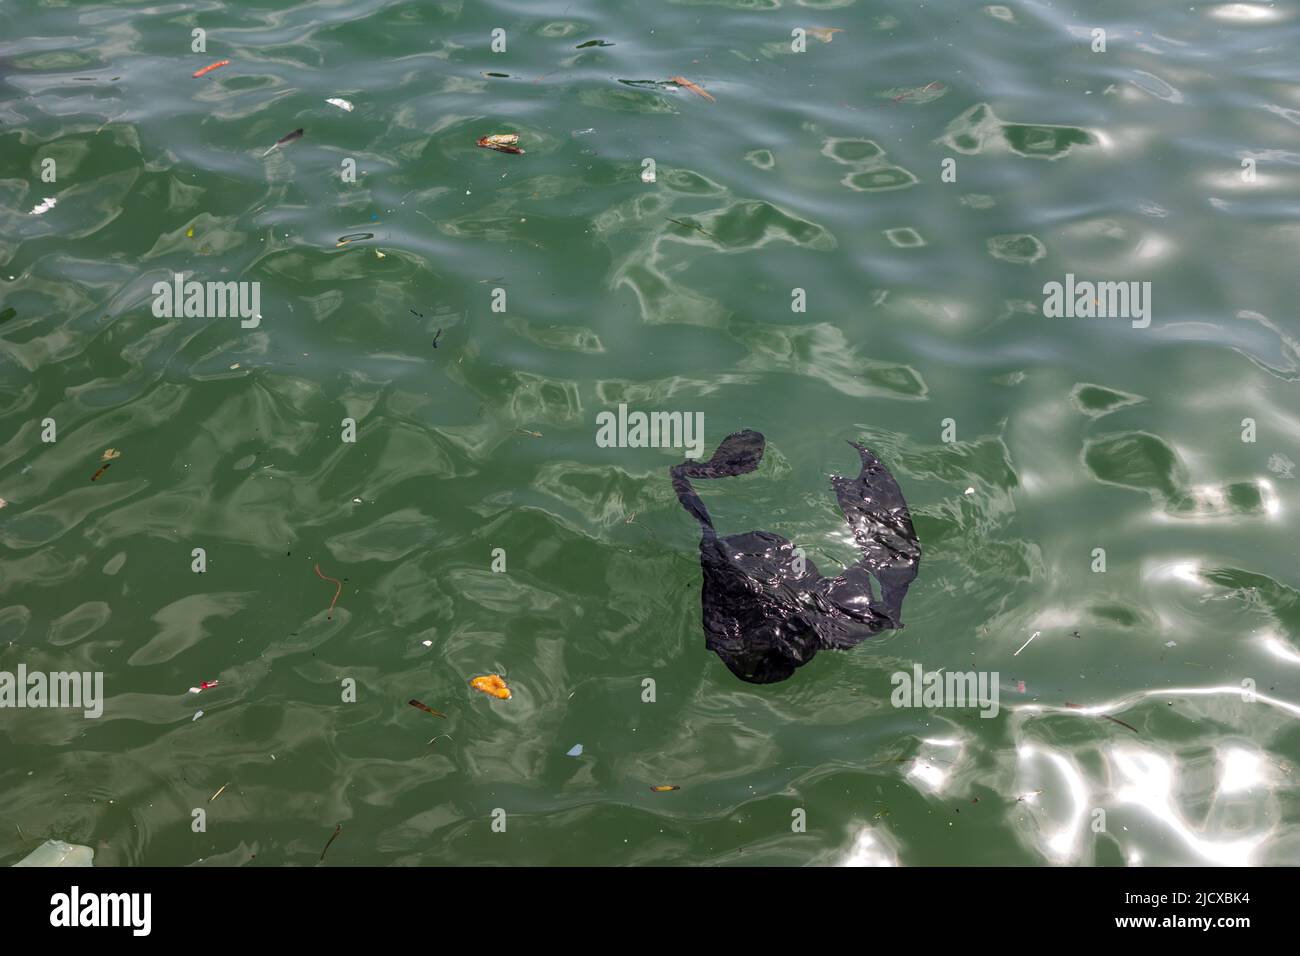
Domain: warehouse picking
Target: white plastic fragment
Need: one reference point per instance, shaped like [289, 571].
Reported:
[340, 103]
[58, 853]
[46, 205]
[1027, 643]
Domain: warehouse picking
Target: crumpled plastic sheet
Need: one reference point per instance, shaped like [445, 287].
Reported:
[764, 614]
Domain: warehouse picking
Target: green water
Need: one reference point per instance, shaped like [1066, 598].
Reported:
[818, 170]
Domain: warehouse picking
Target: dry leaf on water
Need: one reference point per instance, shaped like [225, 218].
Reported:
[825, 34]
[492, 685]
[502, 143]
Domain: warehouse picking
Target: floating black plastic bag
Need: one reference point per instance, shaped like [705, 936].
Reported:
[762, 615]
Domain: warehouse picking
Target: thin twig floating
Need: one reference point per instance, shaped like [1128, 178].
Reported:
[353, 237]
[102, 468]
[210, 67]
[285, 140]
[218, 793]
[338, 589]
[1116, 720]
[426, 708]
[436, 337]
[691, 225]
[337, 830]
[665, 788]
[694, 88]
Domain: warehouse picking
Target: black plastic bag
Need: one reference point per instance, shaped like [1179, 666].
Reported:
[766, 612]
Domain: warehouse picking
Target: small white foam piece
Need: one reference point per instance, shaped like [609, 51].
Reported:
[45, 206]
[340, 103]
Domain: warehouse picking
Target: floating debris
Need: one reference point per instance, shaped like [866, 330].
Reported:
[218, 793]
[426, 708]
[3, 503]
[427, 643]
[436, 337]
[285, 140]
[691, 225]
[665, 788]
[110, 454]
[379, 255]
[196, 716]
[498, 76]
[502, 143]
[353, 237]
[1027, 643]
[574, 751]
[493, 685]
[210, 67]
[204, 685]
[825, 34]
[527, 432]
[337, 591]
[53, 853]
[1026, 796]
[817, 614]
[45, 206]
[917, 95]
[1116, 720]
[340, 103]
[102, 468]
[591, 43]
[693, 87]
[337, 830]
[582, 132]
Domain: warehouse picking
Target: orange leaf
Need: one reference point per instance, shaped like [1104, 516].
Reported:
[492, 685]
